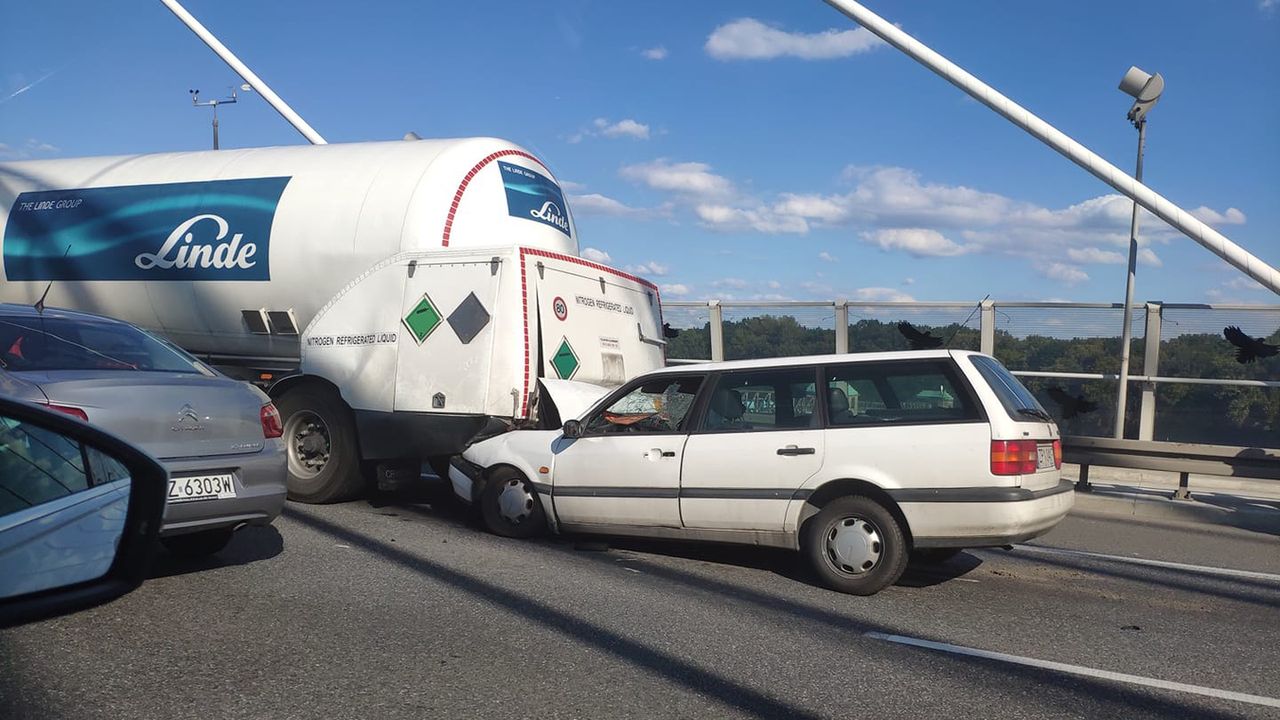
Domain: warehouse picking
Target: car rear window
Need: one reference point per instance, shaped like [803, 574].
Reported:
[911, 392]
[58, 343]
[1016, 398]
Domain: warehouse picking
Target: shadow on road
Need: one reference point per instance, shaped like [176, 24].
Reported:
[248, 545]
[1112, 699]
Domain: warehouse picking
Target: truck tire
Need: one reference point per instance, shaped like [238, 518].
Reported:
[855, 545]
[509, 506]
[320, 441]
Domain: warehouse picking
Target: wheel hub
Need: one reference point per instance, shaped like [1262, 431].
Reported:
[308, 443]
[515, 502]
[854, 545]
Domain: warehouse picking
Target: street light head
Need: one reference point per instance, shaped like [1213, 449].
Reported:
[246, 87]
[1144, 88]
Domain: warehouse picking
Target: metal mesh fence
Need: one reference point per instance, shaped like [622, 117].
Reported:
[1044, 338]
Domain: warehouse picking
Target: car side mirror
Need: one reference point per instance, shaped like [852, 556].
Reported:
[80, 510]
[572, 429]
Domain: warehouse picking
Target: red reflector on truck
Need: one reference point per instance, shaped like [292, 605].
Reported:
[1013, 457]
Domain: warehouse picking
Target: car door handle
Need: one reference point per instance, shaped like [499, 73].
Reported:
[793, 450]
[660, 453]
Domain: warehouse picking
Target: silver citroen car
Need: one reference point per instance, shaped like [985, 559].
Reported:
[219, 438]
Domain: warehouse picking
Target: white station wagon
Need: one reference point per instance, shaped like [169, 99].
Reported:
[857, 461]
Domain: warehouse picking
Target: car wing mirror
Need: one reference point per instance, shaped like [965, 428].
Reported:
[80, 510]
[572, 429]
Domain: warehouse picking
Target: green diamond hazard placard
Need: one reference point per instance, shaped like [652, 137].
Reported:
[565, 361]
[423, 319]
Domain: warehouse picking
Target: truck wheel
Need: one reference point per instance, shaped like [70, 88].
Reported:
[509, 506]
[320, 441]
[855, 545]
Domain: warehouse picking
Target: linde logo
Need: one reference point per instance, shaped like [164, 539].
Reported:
[181, 250]
[551, 213]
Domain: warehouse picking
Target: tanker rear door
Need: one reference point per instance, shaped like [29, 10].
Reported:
[446, 336]
[596, 324]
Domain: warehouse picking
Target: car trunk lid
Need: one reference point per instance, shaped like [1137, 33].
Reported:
[170, 415]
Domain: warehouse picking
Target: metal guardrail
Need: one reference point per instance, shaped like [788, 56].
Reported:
[1182, 458]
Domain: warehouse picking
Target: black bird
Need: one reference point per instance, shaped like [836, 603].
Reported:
[1072, 405]
[918, 340]
[1248, 348]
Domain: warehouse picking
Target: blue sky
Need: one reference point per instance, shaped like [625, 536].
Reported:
[741, 150]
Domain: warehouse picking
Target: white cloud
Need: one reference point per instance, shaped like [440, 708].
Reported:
[760, 219]
[603, 127]
[648, 268]
[774, 285]
[917, 242]
[825, 256]
[1231, 216]
[675, 289]
[750, 39]
[1095, 256]
[571, 186]
[1147, 256]
[1063, 273]
[1268, 5]
[734, 283]
[623, 128]
[690, 178]
[595, 255]
[31, 148]
[655, 53]
[880, 294]
[1243, 283]
[597, 204]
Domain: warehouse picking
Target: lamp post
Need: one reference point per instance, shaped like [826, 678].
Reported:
[1145, 90]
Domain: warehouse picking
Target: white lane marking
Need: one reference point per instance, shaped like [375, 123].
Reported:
[1228, 572]
[1079, 670]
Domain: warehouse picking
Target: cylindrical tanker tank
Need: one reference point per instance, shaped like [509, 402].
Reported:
[396, 298]
[184, 243]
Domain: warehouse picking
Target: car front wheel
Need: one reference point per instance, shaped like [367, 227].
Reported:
[855, 545]
[510, 507]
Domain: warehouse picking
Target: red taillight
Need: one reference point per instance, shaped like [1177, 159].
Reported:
[271, 425]
[1013, 457]
[68, 410]
[1057, 454]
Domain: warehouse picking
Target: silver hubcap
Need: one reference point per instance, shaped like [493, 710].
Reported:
[308, 442]
[515, 502]
[853, 546]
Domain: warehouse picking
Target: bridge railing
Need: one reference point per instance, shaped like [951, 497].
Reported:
[1186, 384]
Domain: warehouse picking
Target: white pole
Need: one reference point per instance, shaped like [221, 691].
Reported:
[244, 72]
[1162, 208]
[1126, 333]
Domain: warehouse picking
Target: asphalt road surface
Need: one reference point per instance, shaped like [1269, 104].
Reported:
[400, 609]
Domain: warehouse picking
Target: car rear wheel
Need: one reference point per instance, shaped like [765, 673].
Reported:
[320, 441]
[855, 545]
[197, 544]
[510, 507]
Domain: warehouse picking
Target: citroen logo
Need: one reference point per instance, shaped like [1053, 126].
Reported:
[187, 419]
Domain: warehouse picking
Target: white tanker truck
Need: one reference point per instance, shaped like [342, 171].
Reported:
[396, 299]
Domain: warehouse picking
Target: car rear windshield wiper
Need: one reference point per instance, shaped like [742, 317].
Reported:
[1036, 413]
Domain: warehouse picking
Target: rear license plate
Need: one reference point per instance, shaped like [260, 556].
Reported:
[1044, 457]
[201, 487]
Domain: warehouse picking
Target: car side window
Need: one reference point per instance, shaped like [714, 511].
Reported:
[924, 391]
[37, 466]
[772, 399]
[661, 405]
